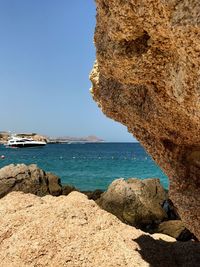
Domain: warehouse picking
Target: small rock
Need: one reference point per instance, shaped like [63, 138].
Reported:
[176, 229]
[94, 195]
[66, 189]
[54, 184]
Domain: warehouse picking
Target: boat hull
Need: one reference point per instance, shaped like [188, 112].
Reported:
[26, 145]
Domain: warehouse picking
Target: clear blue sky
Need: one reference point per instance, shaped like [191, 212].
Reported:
[46, 55]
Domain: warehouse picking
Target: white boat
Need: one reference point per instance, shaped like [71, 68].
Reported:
[15, 141]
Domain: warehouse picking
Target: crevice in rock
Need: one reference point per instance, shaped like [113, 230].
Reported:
[168, 144]
[135, 47]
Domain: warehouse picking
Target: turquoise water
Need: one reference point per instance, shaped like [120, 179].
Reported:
[88, 166]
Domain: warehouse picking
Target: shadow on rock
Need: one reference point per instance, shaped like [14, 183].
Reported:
[168, 254]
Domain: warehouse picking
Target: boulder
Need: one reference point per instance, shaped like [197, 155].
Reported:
[94, 195]
[66, 189]
[73, 231]
[29, 179]
[136, 202]
[147, 77]
[176, 229]
[54, 184]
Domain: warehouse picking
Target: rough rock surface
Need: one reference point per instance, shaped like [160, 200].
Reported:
[67, 189]
[174, 228]
[73, 231]
[136, 202]
[147, 78]
[29, 179]
[32, 179]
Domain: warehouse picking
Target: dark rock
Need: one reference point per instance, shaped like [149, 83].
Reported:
[171, 210]
[136, 202]
[28, 179]
[67, 189]
[94, 195]
[54, 184]
[176, 229]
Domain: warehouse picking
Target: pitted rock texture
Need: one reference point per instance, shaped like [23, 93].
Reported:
[147, 76]
[73, 231]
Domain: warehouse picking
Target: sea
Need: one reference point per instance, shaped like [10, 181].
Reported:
[88, 166]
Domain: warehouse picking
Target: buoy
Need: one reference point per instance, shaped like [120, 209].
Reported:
[2, 157]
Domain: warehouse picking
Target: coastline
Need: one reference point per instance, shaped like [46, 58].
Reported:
[130, 214]
[88, 166]
[143, 204]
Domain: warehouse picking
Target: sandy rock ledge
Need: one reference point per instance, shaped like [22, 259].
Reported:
[73, 231]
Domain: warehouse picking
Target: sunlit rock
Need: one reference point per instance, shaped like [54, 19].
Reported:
[147, 77]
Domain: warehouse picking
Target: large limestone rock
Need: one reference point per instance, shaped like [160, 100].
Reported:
[147, 78]
[136, 202]
[29, 179]
[73, 231]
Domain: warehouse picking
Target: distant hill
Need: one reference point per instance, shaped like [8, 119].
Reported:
[65, 139]
[4, 136]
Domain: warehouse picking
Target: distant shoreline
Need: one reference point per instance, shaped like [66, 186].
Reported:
[89, 142]
[82, 142]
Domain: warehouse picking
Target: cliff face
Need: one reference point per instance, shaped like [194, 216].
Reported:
[147, 78]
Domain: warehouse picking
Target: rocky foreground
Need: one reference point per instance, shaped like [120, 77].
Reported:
[54, 226]
[142, 204]
[74, 231]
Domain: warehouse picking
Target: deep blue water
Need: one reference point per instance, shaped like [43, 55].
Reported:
[88, 166]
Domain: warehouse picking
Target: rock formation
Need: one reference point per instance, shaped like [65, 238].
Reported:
[32, 179]
[136, 202]
[176, 229]
[28, 179]
[147, 78]
[73, 231]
